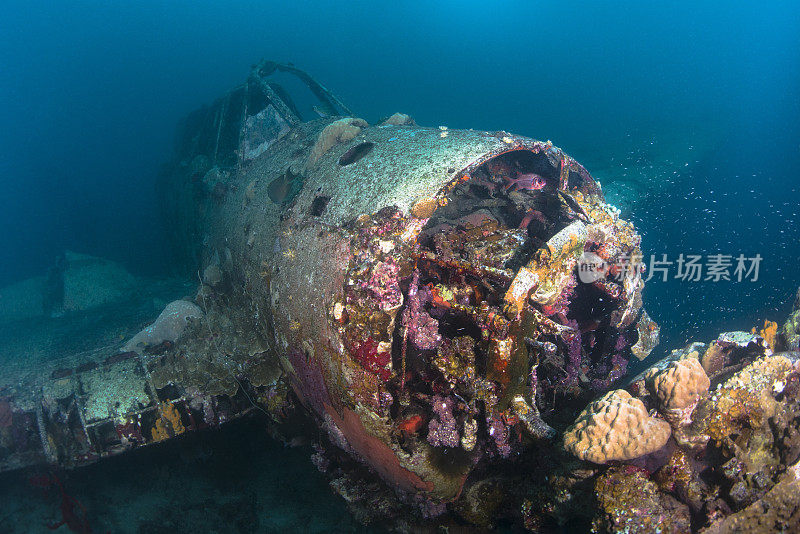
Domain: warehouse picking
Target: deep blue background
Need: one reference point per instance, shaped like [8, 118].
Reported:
[90, 92]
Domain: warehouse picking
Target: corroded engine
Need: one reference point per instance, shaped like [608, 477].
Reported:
[420, 289]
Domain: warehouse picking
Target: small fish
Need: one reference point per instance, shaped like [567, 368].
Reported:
[530, 181]
[322, 113]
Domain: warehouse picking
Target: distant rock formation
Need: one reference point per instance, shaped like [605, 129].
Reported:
[76, 282]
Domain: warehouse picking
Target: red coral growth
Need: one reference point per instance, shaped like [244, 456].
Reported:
[371, 359]
[5, 414]
[130, 430]
[411, 425]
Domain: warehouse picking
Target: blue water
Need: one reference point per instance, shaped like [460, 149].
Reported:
[90, 92]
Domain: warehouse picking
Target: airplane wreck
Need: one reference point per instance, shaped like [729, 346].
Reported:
[413, 292]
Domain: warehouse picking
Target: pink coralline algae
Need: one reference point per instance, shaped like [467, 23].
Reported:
[442, 430]
[423, 330]
[498, 431]
[384, 285]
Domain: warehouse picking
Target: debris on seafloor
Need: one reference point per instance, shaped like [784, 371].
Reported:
[414, 293]
[75, 283]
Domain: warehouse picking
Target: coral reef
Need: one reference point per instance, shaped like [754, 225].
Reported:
[442, 429]
[615, 427]
[733, 464]
[777, 511]
[422, 316]
[769, 332]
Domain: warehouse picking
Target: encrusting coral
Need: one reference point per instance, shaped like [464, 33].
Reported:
[168, 424]
[769, 333]
[748, 397]
[629, 502]
[615, 427]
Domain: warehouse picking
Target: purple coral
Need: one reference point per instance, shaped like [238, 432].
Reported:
[560, 307]
[442, 430]
[423, 330]
[498, 431]
[617, 367]
[384, 285]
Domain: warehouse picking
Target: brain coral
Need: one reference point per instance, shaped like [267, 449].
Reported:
[678, 387]
[615, 427]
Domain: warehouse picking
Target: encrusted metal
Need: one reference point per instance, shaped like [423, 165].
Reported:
[415, 289]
